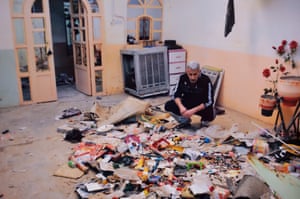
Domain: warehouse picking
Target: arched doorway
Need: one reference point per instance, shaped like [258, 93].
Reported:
[34, 48]
[86, 27]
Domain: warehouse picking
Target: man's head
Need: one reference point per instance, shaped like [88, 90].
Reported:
[193, 71]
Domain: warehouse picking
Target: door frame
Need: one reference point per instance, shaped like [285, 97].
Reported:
[94, 44]
[42, 85]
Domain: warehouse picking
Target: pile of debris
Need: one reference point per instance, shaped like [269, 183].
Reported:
[138, 151]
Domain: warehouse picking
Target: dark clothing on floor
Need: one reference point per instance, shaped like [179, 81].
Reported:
[193, 95]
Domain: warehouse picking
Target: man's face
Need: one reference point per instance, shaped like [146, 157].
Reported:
[193, 74]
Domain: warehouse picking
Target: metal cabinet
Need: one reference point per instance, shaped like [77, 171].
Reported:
[145, 71]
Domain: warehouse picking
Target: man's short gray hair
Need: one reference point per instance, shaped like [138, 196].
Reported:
[193, 65]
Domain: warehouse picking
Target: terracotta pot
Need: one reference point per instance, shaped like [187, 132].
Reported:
[288, 88]
[267, 104]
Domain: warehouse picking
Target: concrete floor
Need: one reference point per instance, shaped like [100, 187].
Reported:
[33, 149]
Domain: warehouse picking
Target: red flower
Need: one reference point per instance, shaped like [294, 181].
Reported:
[280, 50]
[285, 51]
[283, 42]
[282, 68]
[266, 72]
[293, 45]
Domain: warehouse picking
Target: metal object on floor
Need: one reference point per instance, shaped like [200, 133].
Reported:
[290, 129]
[276, 138]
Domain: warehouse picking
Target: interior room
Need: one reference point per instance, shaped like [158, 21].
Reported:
[73, 55]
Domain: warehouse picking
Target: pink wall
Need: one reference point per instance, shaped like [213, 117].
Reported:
[243, 82]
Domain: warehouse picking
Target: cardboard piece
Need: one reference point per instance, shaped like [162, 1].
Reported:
[127, 108]
[102, 112]
[68, 172]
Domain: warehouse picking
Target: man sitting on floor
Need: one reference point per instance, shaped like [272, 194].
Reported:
[193, 95]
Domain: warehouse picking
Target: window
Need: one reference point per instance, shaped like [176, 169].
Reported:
[144, 21]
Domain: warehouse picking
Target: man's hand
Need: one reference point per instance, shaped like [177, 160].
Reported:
[182, 110]
[188, 113]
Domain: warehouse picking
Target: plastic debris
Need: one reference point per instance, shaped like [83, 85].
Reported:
[153, 159]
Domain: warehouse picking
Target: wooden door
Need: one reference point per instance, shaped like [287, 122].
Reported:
[43, 73]
[33, 49]
[86, 23]
[80, 46]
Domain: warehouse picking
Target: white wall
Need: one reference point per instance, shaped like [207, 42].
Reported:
[198, 25]
[6, 35]
[8, 77]
[259, 24]
[115, 16]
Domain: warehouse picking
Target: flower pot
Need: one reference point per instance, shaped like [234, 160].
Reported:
[267, 104]
[288, 88]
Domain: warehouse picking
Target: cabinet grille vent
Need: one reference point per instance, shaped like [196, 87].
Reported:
[145, 71]
[152, 70]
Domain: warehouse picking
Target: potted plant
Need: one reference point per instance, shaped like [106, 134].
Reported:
[289, 84]
[267, 104]
[268, 99]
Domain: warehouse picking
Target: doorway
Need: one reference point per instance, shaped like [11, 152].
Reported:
[57, 43]
[62, 48]
[77, 43]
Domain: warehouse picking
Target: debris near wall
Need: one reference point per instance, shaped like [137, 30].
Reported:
[134, 150]
[64, 79]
